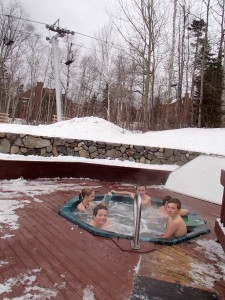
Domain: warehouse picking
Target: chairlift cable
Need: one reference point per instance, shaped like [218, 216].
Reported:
[76, 32]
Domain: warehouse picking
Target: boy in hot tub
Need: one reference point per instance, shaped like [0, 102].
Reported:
[100, 216]
[175, 225]
[145, 199]
[163, 208]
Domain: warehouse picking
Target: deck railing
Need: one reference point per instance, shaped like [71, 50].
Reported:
[220, 222]
[222, 213]
[137, 219]
[4, 118]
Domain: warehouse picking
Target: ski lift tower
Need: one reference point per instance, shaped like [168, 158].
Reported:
[60, 32]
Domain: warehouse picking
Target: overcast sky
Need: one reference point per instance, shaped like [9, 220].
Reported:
[84, 16]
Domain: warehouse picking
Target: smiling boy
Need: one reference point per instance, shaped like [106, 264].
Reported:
[175, 225]
[100, 216]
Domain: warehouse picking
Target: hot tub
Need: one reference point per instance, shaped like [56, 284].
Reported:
[195, 226]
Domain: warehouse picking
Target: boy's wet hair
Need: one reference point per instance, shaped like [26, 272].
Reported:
[166, 199]
[175, 201]
[138, 185]
[98, 207]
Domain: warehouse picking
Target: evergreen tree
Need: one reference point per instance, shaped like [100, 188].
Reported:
[212, 90]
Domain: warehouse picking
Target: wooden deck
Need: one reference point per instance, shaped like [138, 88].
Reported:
[51, 257]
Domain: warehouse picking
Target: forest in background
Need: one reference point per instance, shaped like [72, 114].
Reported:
[153, 66]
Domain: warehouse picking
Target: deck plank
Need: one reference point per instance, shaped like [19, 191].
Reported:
[84, 245]
[27, 260]
[14, 268]
[92, 264]
[53, 267]
[41, 261]
[50, 227]
[59, 250]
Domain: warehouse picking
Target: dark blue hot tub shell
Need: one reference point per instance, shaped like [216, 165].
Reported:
[195, 225]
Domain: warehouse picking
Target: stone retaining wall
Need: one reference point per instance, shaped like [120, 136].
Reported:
[45, 146]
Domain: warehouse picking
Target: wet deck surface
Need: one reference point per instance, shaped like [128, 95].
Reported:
[49, 256]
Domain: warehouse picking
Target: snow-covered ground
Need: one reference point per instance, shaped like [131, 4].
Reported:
[208, 141]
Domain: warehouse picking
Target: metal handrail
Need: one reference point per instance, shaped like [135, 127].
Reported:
[137, 221]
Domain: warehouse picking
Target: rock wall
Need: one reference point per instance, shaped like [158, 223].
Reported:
[45, 146]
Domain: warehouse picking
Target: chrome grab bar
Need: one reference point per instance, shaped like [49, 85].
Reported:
[137, 221]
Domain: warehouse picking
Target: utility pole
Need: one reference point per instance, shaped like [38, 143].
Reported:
[60, 32]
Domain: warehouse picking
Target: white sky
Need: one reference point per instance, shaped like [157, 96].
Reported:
[83, 16]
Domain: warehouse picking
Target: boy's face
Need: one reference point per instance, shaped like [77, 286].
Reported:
[101, 216]
[172, 210]
[141, 190]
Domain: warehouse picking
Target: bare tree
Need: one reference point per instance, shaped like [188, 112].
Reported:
[13, 34]
[35, 61]
[123, 84]
[171, 60]
[87, 86]
[140, 28]
[181, 63]
[103, 54]
[70, 64]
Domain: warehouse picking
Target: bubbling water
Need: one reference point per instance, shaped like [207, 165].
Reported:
[153, 223]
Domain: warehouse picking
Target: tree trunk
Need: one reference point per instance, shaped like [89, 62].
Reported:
[172, 50]
[203, 67]
[222, 40]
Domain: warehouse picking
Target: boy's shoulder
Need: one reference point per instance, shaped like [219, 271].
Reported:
[177, 220]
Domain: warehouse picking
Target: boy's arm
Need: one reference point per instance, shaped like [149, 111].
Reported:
[184, 212]
[131, 195]
[105, 200]
[170, 229]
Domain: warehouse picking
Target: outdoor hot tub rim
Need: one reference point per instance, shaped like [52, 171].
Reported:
[67, 212]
